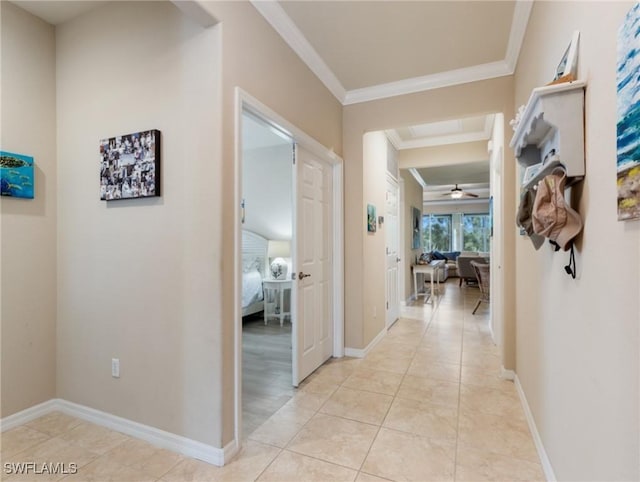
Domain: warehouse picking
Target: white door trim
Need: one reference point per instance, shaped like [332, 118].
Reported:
[244, 101]
[393, 182]
[404, 256]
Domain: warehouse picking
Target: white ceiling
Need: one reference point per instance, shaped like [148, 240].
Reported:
[368, 43]
[366, 50]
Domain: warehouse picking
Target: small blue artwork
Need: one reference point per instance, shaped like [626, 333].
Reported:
[16, 175]
[628, 128]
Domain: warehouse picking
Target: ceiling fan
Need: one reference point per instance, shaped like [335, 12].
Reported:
[457, 193]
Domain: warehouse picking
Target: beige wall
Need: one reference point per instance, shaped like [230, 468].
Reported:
[412, 197]
[577, 340]
[443, 155]
[364, 294]
[374, 155]
[139, 280]
[28, 227]
[481, 207]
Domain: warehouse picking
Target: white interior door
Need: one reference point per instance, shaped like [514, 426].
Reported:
[392, 258]
[312, 288]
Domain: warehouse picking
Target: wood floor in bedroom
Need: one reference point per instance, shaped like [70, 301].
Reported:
[266, 370]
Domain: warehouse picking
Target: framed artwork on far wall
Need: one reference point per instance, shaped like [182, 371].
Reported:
[371, 219]
[130, 166]
[416, 231]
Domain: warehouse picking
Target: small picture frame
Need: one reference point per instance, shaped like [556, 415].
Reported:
[17, 175]
[372, 226]
[567, 69]
[416, 228]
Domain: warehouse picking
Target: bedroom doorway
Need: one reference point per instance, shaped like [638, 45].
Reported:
[267, 233]
[311, 307]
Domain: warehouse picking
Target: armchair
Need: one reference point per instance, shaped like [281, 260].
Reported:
[465, 270]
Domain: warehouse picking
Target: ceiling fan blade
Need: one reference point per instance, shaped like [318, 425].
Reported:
[469, 194]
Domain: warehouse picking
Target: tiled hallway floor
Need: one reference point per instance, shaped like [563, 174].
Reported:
[426, 405]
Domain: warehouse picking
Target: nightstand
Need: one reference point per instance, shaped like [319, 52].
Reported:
[274, 299]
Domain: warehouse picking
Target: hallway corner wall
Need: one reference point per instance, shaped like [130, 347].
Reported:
[139, 279]
[28, 226]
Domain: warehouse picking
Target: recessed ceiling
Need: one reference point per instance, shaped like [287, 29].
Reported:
[469, 129]
[462, 174]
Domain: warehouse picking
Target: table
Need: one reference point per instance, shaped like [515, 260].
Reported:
[274, 289]
[433, 269]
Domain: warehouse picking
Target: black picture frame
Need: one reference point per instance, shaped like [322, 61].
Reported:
[130, 166]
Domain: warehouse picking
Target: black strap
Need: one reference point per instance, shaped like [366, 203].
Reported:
[556, 246]
[571, 267]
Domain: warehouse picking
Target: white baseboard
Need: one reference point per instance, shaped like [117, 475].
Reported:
[155, 436]
[507, 374]
[362, 352]
[542, 453]
[27, 415]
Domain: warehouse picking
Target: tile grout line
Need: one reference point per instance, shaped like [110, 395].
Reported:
[455, 455]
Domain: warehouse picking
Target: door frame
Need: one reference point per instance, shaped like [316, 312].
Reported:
[244, 101]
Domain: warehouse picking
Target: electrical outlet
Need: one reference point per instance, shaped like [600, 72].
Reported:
[375, 311]
[115, 367]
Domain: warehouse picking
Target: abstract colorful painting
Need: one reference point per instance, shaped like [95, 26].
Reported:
[16, 175]
[628, 128]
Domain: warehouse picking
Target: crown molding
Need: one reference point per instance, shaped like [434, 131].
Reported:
[445, 140]
[521, 14]
[394, 138]
[282, 23]
[486, 71]
[414, 172]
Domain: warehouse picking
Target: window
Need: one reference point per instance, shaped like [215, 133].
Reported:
[436, 232]
[475, 232]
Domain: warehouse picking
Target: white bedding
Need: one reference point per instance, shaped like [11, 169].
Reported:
[251, 288]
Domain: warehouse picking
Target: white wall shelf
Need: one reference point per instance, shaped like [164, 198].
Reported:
[551, 131]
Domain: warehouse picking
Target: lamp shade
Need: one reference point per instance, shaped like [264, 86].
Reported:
[279, 249]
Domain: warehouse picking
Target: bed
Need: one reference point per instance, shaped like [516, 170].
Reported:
[254, 262]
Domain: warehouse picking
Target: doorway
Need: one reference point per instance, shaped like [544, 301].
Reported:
[267, 229]
[312, 305]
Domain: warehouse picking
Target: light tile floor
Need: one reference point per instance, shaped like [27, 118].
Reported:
[425, 404]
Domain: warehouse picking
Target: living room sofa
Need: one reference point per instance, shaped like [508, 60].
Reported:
[451, 268]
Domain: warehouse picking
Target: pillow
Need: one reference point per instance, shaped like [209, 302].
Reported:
[250, 264]
[425, 258]
[438, 255]
[452, 255]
